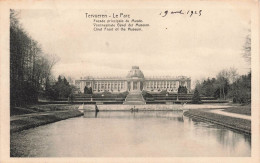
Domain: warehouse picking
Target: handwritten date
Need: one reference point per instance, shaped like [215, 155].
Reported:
[190, 13]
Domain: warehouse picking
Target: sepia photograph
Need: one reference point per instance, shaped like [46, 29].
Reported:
[175, 80]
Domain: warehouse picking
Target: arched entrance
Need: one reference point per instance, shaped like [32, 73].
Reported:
[134, 85]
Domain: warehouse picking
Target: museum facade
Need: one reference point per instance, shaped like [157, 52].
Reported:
[135, 81]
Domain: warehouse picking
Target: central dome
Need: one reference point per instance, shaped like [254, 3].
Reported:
[135, 73]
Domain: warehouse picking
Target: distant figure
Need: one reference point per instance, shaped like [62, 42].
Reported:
[96, 108]
[134, 109]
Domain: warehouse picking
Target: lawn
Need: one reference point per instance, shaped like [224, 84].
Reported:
[231, 122]
[246, 110]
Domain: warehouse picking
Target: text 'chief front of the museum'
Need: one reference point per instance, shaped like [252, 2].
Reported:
[133, 82]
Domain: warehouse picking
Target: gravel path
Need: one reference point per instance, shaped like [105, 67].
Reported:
[220, 111]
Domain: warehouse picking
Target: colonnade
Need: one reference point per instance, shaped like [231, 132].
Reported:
[164, 84]
[133, 85]
[109, 85]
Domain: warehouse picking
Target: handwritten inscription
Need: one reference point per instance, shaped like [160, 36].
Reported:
[190, 13]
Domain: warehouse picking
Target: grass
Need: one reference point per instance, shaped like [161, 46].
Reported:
[41, 108]
[21, 110]
[242, 125]
[246, 110]
[24, 123]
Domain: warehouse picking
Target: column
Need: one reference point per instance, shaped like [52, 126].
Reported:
[81, 89]
[125, 86]
[189, 83]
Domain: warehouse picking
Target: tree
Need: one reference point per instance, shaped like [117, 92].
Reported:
[85, 90]
[228, 84]
[241, 90]
[30, 67]
[208, 87]
[247, 48]
[61, 89]
[222, 83]
[182, 89]
[233, 75]
[90, 90]
[196, 97]
[218, 87]
[164, 92]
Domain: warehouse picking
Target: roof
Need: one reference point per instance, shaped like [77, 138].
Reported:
[135, 72]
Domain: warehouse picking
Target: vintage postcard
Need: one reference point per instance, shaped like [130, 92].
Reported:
[129, 81]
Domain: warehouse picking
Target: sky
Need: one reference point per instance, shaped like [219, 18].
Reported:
[198, 46]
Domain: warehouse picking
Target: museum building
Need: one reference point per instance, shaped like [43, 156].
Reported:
[135, 81]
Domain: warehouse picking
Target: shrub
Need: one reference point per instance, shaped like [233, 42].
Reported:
[196, 97]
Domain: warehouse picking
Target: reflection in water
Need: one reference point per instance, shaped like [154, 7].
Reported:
[224, 136]
[96, 113]
[132, 134]
[136, 114]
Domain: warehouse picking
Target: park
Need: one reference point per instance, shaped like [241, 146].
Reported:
[173, 105]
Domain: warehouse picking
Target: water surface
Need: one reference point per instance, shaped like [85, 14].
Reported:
[130, 134]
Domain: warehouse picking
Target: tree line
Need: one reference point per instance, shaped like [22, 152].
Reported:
[227, 85]
[30, 68]
[59, 89]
